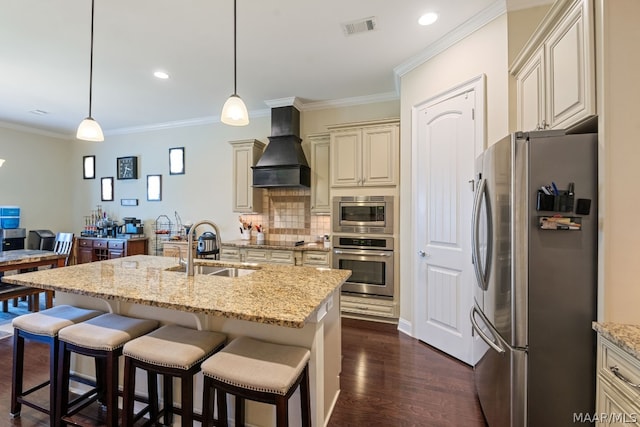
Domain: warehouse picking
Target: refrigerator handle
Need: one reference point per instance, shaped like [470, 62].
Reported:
[494, 344]
[475, 236]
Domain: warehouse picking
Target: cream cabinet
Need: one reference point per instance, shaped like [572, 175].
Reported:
[316, 259]
[365, 154]
[246, 153]
[618, 386]
[320, 173]
[367, 308]
[555, 72]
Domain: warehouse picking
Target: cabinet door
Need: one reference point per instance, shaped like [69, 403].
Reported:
[530, 88]
[613, 408]
[320, 197]
[379, 155]
[256, 255]
[346, 155]
[115, 253]
[570, 68]
[315, 259]
[85, 254]
[246, 199]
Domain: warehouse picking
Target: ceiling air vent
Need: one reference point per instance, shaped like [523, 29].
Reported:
[359, 26]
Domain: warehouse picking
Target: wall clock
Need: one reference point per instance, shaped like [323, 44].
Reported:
[127, 167]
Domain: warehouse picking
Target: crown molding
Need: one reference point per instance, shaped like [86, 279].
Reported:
[493, 11]
[42, 132]
[349, 102]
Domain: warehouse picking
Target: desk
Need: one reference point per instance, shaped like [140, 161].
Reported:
[29, 258]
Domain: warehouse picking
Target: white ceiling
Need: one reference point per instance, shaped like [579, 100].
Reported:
[286, 48]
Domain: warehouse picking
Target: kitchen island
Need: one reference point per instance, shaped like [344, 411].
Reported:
[282, 304]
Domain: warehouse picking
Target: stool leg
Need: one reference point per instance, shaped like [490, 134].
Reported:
[129, 385]
[207, 403]
[167, 395]
[282, 411]
[221, 397]
[62, 385]
[112, 388]
[18, 370]
[187, 400]
[152, 389]
[305, 398]
[239, 411]
[54, 415]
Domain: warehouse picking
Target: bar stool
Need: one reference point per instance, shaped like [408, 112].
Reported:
[172, 351]
[43, 327]
[102, 338]
[260, 371]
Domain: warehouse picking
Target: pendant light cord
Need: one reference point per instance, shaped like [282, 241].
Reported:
[235, 54]
[91, 59]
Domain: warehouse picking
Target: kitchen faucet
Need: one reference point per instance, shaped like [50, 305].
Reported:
[190, 234]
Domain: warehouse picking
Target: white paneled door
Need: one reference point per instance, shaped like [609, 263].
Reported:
[445, 149]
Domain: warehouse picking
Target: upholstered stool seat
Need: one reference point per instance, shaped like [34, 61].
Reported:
[43, 327]
[172, 351]
[256, 370]
[101, 337]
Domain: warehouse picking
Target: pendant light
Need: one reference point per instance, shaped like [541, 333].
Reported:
[89, 129]
[1, 162]
[234, 112]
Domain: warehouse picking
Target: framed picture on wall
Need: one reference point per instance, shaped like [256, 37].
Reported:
[106, 189]
[89, 167]
[154, 188]
[176, 161]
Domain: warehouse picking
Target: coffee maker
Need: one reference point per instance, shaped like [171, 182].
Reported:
[132, 227]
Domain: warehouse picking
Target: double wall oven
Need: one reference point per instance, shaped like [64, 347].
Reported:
[363, 243]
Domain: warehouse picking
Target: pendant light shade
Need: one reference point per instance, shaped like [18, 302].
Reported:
[234, 112]
[1, 162]
[89, 129]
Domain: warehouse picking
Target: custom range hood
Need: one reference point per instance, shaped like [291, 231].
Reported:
[283, 163]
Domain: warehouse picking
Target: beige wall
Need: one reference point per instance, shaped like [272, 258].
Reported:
[618, 93]
[483, 52]
[37, 177]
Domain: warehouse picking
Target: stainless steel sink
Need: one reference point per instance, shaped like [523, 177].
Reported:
[213, 270]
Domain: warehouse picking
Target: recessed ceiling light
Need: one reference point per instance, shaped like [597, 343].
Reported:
[161, 75]
[428, 18]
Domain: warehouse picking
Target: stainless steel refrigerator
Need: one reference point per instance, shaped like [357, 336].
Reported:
[534, 254]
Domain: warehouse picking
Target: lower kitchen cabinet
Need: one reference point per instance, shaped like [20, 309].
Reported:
[308, 258]
[618, 389]
[367, 307]
[92, 249]
[316, 259]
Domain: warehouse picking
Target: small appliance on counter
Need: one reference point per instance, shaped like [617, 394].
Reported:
[43, 240]
[12, 238]
[131, 228]
[208, 245]
[107, 228]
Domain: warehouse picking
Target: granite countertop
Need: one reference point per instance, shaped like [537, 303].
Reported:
[275, 294]
[625, 336]
[24, 256]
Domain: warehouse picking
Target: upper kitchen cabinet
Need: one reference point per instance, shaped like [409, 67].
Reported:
[365, 154]
[320, 173]
[246, 153]
[555, 71]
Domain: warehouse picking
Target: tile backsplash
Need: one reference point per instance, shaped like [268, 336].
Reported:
[287, 217]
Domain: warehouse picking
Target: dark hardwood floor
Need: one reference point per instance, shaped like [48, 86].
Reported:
[388, 379]
[392, 380]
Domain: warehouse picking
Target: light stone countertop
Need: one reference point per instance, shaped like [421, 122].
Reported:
[625, 336]
[278, 295]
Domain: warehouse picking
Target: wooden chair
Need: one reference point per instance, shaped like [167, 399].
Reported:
[63, 245]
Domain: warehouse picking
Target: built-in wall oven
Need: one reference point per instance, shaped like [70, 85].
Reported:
[363, 214]
[370, 260]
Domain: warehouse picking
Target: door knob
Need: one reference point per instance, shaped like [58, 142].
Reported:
[423, 254]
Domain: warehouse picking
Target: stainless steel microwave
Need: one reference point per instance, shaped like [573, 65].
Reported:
[363, 214]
